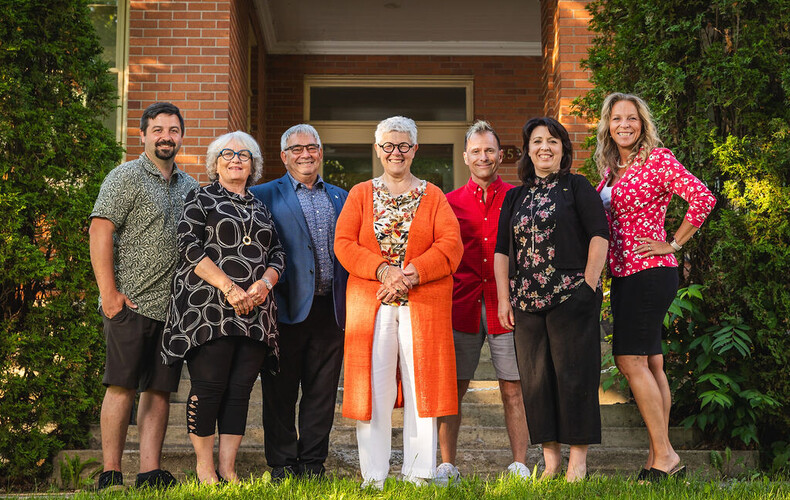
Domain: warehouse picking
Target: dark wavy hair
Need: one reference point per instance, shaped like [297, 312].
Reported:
[526, 169]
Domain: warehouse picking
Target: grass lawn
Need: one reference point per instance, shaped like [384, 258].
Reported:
[472, 489]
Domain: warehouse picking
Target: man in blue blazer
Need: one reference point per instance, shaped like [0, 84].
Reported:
[311, 303]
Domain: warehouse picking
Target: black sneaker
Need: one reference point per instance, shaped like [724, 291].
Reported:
[111, 479]
[157, 478]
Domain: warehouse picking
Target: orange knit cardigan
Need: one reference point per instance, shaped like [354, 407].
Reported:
[435, 249]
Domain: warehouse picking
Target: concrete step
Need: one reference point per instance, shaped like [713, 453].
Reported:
[470, 436]
[489, 463]
[615, 415]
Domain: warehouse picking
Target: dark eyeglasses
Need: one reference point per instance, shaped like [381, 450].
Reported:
[228, 154]
[388, 147]
[298, 149]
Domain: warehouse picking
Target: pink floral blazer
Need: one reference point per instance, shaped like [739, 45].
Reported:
[639, 208]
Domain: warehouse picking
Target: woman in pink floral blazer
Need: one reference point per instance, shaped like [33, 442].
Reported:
[639, 179]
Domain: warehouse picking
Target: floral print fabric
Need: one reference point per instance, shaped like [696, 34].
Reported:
[392, 216]
[639, 207]
[538, 285]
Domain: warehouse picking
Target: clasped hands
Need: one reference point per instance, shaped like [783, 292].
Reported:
[397, 283]
[243, 301]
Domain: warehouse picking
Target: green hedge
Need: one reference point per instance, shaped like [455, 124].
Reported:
[717, 77]
[54, 152]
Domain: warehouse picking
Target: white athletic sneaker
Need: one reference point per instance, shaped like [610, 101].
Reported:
[518, 469]
[446, 474]
[377, 484]
[415, 480]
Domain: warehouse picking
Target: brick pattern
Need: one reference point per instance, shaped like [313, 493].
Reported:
[181, 52]
[507, 90]
[565, 39]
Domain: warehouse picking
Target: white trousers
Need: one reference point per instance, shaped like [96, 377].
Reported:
[392, 344]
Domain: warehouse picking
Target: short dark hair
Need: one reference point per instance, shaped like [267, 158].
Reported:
[157, 109]
[526, 169]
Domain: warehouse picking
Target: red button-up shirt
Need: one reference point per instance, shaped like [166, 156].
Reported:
[474, 280]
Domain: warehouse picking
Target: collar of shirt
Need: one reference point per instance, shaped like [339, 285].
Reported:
[477, 191]
[149, 166]
[319, 182]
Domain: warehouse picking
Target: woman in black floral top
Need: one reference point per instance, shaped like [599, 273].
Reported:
[222, 318]
[550, 251]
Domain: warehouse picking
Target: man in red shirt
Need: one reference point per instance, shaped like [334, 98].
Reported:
[477, 206]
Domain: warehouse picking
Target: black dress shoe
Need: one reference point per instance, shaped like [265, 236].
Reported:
[279, 473]
[312, 471]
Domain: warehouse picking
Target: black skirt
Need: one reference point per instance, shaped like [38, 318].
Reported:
[639, 304]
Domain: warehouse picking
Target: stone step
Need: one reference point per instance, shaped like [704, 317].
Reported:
[476, 414]
[480, 391]
[488, 464]
[472, 437]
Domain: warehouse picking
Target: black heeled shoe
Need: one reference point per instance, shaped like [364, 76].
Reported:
[656, 475]
[220, 479]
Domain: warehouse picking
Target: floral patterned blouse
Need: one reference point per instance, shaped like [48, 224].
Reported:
[639, 207]
[538, 285]
[392, 216]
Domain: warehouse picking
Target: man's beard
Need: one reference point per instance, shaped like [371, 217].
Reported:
[165, 156]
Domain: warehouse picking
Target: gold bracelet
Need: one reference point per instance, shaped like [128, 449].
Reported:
[230, 289]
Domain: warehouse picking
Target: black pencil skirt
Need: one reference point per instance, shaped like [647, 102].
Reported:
[639, 304]
[559, 360]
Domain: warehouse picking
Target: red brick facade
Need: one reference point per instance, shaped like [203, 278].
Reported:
[565, 39]
[506, 89]
[198, 55]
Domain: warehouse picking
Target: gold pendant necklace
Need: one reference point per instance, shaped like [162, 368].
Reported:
[246, 239]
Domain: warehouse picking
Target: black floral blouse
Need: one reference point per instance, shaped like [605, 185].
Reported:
[538, 285]
[237, 233]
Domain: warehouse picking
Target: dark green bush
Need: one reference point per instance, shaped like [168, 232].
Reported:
[54, 152]
[717, 77]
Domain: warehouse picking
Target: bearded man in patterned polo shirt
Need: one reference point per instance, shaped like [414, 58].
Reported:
[477, 206]
[134, 253]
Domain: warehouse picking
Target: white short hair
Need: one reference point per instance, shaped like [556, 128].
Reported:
[302, 128]
[247, 141]
[397, 124]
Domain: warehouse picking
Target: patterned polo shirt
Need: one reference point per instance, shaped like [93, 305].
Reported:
[320, 217]
[145, 209]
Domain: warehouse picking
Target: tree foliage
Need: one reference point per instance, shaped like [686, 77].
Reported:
[717, 77]
[54, 152]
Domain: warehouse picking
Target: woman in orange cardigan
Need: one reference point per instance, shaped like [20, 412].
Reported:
[400, 242]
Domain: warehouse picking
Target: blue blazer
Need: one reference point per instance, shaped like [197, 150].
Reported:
[294, 292]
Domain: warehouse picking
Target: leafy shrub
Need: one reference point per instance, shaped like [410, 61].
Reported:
[54, 152]
[717, 77]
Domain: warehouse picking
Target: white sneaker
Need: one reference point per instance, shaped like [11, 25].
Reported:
[377, 484]
[446, 474]
[518, 470]
[415, 480]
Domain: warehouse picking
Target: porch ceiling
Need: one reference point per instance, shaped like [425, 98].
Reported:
[429, 27]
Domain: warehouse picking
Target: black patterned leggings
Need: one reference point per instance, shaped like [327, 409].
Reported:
[222, 372]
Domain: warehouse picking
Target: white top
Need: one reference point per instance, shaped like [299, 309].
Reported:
[606, 197]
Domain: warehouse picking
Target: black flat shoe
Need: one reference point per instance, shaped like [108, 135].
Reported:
[656, 475]
[643, 474]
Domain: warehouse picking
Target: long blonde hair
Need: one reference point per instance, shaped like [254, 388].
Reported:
[606, 152]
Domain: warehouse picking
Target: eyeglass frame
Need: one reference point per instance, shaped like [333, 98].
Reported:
[303, 147]
[235, 154]
[396, 146]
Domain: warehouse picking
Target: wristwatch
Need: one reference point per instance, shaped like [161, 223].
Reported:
[674, 244]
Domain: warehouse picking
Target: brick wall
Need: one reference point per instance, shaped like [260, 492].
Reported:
[193, 54]
[565, 39]
[507, 90]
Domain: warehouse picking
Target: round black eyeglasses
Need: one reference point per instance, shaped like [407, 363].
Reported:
[403, 147]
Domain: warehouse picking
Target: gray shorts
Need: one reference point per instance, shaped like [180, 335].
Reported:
[467, 352]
